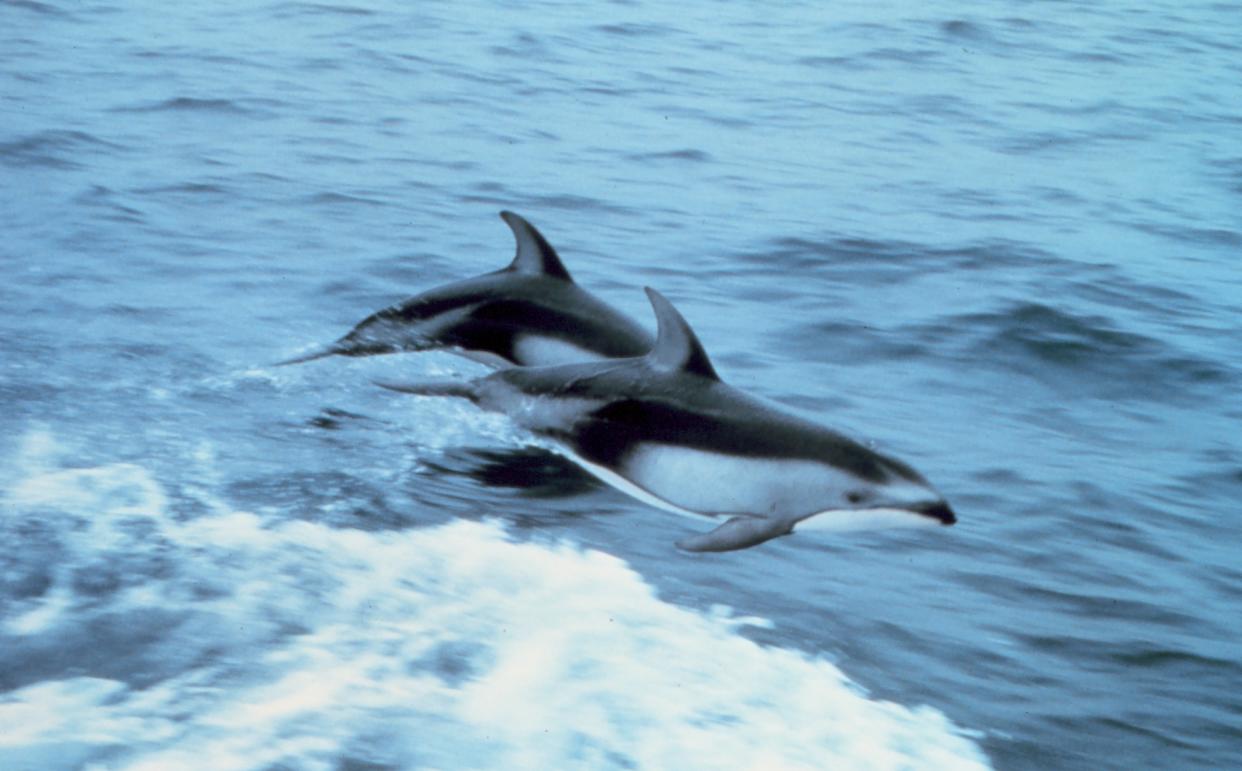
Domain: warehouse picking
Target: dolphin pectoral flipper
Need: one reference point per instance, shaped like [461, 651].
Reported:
[738, 533]
[459, 389]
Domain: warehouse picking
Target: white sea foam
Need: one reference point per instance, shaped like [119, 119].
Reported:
[240, 642]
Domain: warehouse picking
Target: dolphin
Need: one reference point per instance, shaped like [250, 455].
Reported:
[664, 428]
[530, 313]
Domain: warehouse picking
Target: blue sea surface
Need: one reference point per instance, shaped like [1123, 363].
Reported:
[997, 239]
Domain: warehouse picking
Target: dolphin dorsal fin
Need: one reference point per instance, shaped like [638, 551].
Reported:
[676, 347]
[535, 255]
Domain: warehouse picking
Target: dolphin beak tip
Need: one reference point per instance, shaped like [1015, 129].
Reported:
[941, 512]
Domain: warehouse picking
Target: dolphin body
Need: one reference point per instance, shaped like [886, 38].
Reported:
[664, 428]
[530, 313]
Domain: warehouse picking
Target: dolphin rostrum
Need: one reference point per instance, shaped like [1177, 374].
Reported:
[529, 313]
[664, 428]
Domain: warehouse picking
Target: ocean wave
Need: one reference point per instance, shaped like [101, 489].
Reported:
[896, 260]
[233, 107]
[36, 7]
[232, 640]
[317, 10]
[1092, 354]
[333, 198]
[50, 149]
[685, 154]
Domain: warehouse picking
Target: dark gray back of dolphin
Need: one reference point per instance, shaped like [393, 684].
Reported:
[690, 407]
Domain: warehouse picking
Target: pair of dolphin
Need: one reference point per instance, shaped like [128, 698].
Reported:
[651, 419]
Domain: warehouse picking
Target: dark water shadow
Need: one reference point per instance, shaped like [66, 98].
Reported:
[536, 472]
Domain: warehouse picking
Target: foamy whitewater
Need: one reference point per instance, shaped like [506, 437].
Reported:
[252, 643]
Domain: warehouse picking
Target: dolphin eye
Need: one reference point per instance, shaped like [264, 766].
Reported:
[854, 496]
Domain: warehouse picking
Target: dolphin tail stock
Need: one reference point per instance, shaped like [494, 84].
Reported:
[357, 346]
[321, 352]
[737, 533]
[455, 388]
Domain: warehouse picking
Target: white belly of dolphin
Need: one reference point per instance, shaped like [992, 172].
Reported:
[547, 351]
[711, 483]
[613, 479]
[844, 520]
[661, 467]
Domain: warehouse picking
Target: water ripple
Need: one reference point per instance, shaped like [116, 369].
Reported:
[54, 149]
[249, 108]
[36, 7]
[1089, 354]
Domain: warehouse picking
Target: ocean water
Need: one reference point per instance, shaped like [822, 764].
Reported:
[997, 239]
